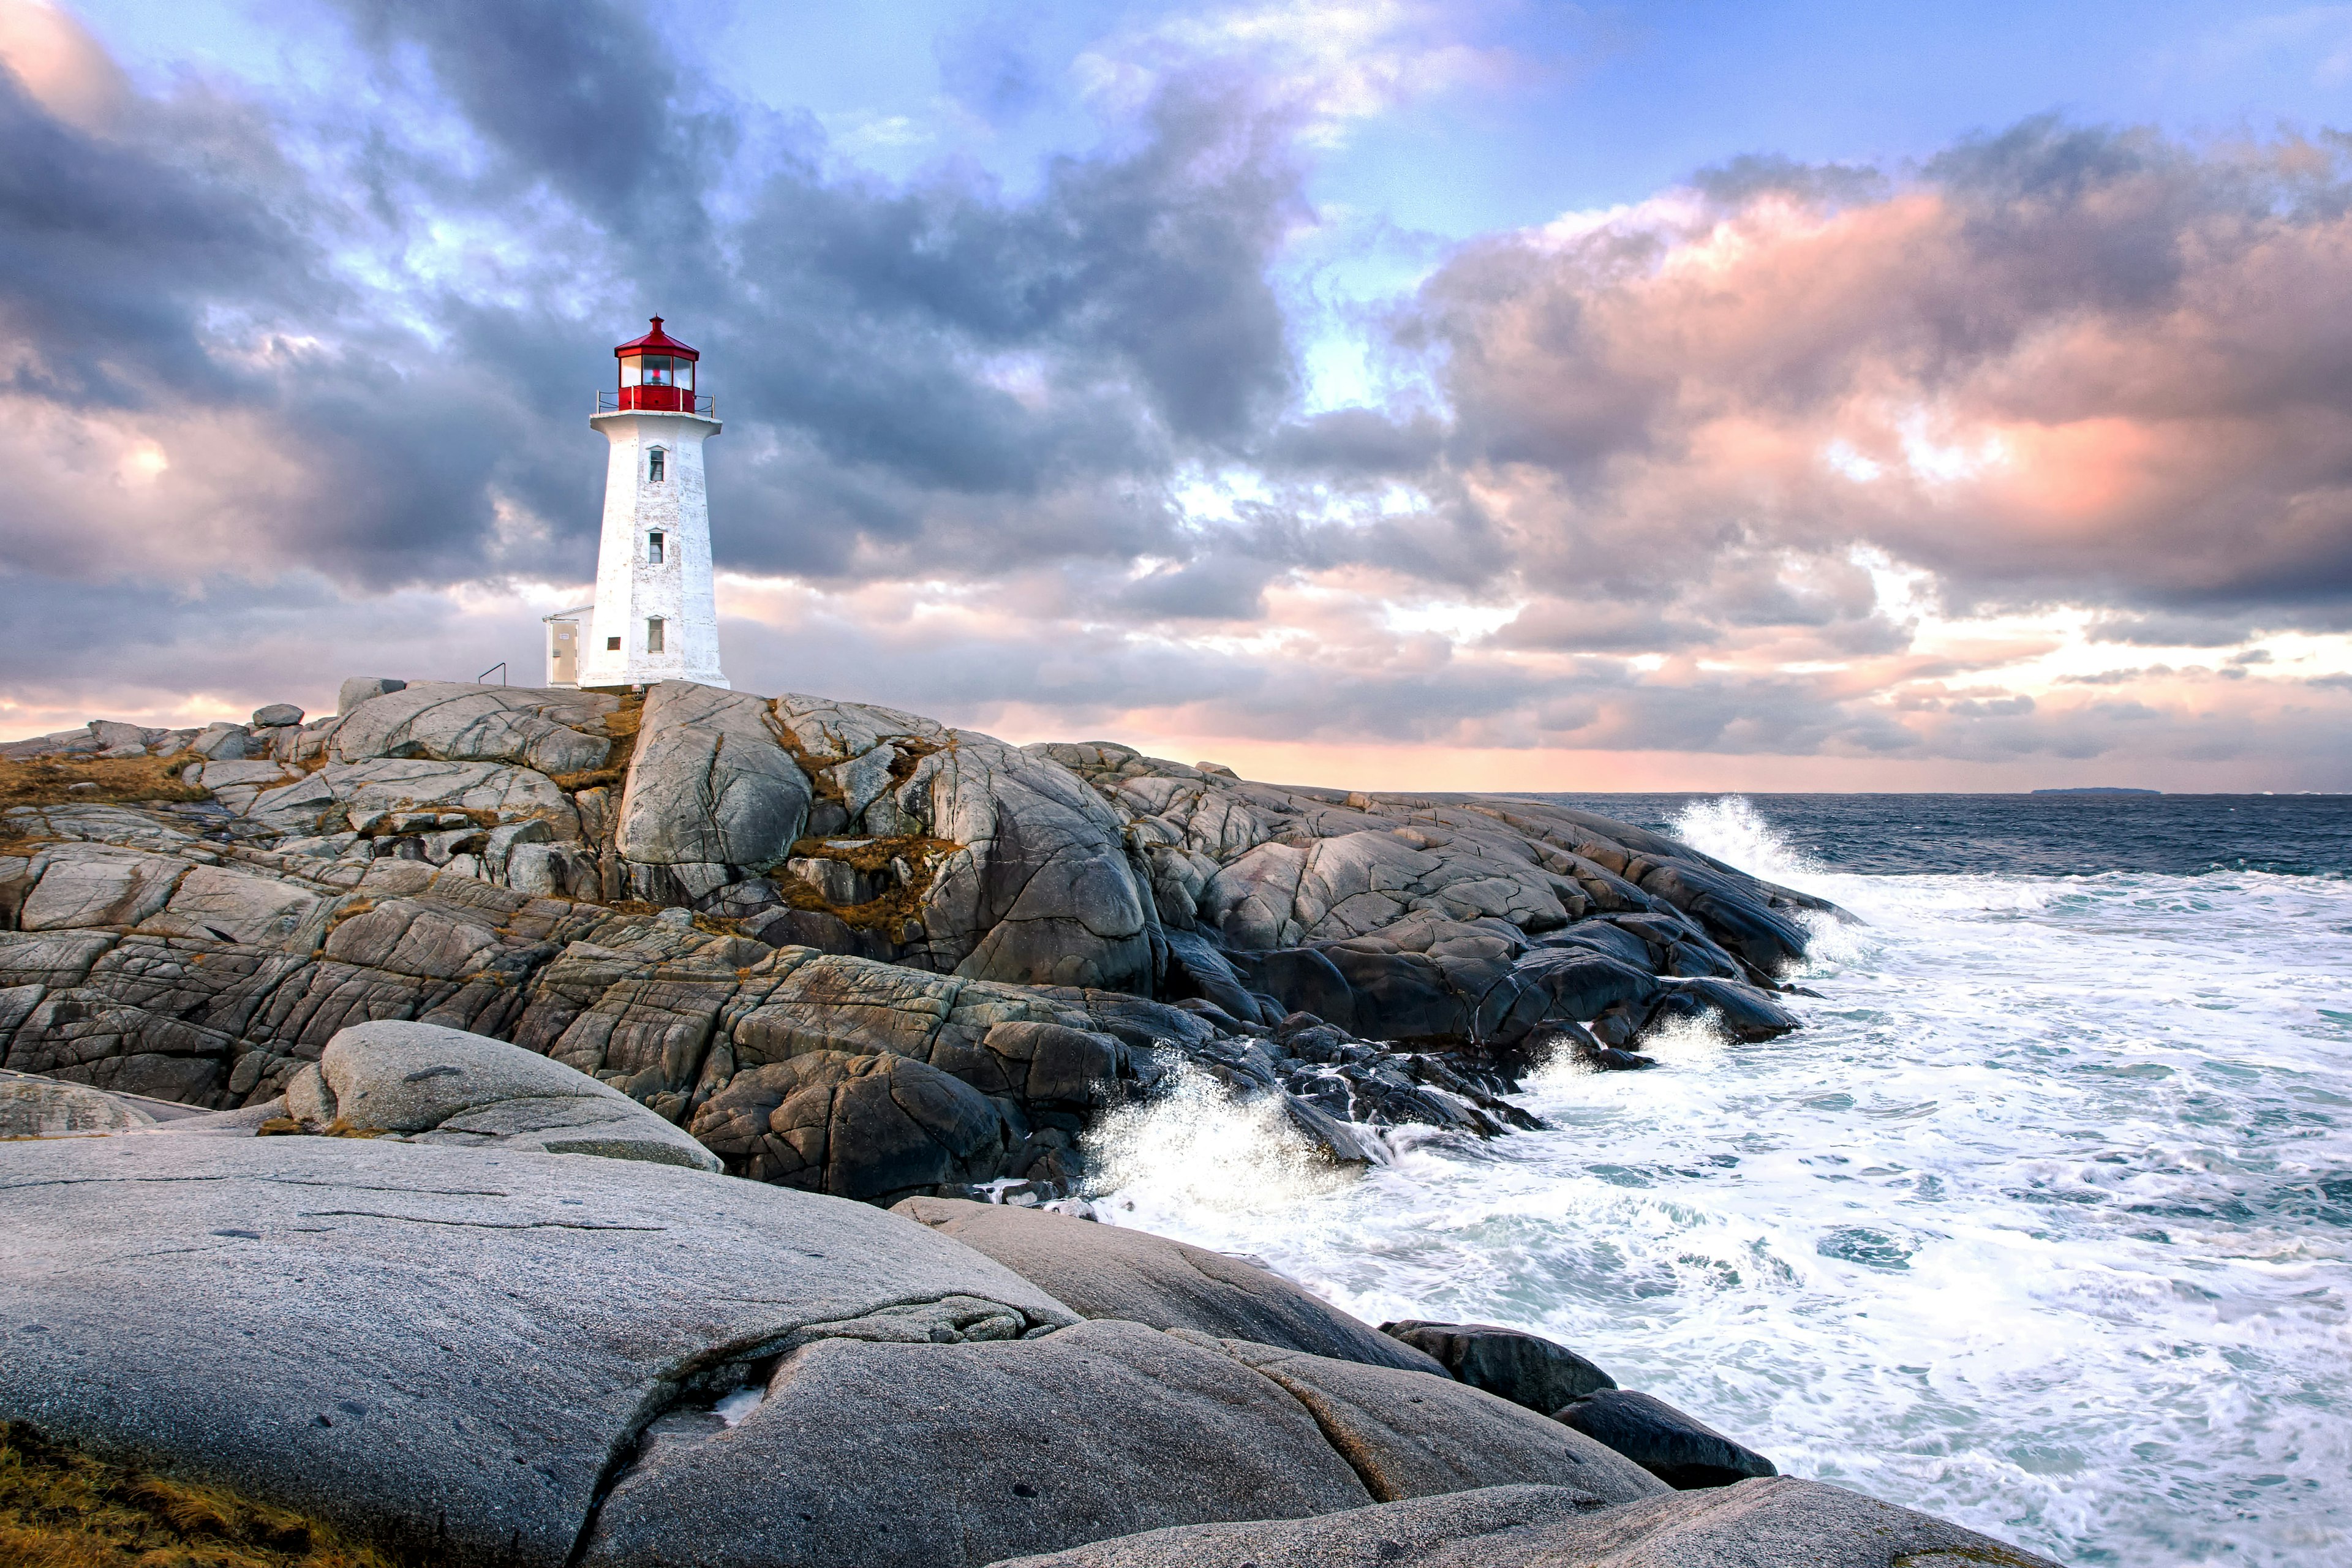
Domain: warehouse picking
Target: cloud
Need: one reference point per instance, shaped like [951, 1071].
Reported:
[1879, 468]
[2057, 364]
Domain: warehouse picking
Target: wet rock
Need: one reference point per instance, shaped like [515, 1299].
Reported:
[1681, 1450]
[1740, 1010]
[1112, 1271]
[1781, 1524]
[1525, 1368]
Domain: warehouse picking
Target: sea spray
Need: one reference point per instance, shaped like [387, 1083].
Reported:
[1196, 1146]
[2043, 1222]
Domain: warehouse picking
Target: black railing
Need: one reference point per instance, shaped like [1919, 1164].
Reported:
[500, 668]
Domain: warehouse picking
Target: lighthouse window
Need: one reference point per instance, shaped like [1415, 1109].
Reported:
[655, 369]
[654, 548]
[653, 634]
[612, 645]
[654, 464]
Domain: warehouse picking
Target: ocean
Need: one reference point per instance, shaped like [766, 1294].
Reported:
[2043, 1223]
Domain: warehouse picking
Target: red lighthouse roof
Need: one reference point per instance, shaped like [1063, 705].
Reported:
[656, 342]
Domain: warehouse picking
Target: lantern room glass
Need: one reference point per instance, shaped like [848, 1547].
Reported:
[658, 370]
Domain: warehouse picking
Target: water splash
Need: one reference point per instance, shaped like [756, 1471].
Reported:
[1198, 1147]
[2043, 1223]
[1731, 829]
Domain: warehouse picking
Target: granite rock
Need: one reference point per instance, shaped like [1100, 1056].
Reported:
[950, 1455]
[1781, 1524]
[709, 784]
[428, 1084]
[444, 1350]
[1112, 1271]
[1679, 1449]
[1525, 1368]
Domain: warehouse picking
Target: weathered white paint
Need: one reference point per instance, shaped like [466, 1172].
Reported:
[568, 632]
[631, 589]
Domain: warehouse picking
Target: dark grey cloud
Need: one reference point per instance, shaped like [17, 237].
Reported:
[286, 372]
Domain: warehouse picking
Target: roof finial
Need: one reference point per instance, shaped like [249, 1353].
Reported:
[657, 324]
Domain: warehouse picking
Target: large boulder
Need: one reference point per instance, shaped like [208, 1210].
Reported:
[1111, 1271]
[870, 1126]
[1757, 1524]
[919, 1456]
[1525, 1368]
[1042, 892]
[710, 785]
[443, 1351]
[429, 1084]
[1679, 1449]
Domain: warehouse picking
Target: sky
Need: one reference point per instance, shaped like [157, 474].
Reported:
[1474, 395]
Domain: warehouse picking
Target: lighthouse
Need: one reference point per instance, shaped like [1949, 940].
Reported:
[656, 615]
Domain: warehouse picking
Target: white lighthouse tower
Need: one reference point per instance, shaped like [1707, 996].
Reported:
[656, 615]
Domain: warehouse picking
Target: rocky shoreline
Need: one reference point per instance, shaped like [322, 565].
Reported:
[365, 990]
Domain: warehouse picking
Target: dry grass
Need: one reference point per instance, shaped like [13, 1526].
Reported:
[888, 914]
[60, 1509]
[622, 726]
[118, 778]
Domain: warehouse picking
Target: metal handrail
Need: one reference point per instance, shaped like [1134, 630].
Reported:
[500, 667]
[609, 402]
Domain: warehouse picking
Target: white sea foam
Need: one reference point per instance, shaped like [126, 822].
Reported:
[2043, 1222]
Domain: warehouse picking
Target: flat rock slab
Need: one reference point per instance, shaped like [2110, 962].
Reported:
[436, 1085]
[442, 1349]
[1109, 1271]
[1779, 1524]
[919, 1456]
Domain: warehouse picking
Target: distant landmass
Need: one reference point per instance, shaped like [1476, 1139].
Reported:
[2098, 789]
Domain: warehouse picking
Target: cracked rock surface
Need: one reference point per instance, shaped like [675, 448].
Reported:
[851, 949]
[445, 1350]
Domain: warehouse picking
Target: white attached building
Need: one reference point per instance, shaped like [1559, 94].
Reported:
[656, 615]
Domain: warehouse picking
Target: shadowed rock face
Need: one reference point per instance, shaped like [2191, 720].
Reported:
[1525, 1368]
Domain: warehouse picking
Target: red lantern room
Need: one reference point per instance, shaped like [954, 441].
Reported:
[657, 374]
